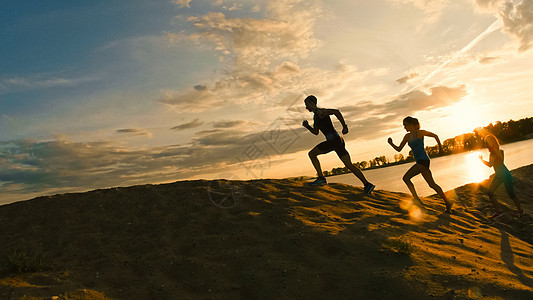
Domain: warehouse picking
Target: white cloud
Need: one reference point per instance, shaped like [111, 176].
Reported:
[235, 6]
[266, 89]
[518, 22]
[183, 3]
[135, 132]
[487, 4]
[28, 166]
[264, 56]
[192, 100]
[39, 81]
[433, 8]
[285, 33]
[408, 103]
[483, 59]
[516, 16]
[231, 124]
[407, 77]
[189, 125]
[62, 163]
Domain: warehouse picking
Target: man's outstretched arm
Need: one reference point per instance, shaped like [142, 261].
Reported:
[313, 129]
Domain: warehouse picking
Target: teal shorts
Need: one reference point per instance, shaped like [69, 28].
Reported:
[503, 175]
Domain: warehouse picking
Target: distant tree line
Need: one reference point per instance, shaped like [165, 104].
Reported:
[506, 132]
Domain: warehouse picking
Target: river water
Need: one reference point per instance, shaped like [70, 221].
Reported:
[448, 171]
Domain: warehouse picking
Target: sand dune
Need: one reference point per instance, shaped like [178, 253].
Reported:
[269, 239]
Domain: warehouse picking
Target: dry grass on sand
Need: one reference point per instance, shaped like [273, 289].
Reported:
[280, 239]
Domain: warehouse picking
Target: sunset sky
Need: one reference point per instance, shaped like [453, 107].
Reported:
[105, 93]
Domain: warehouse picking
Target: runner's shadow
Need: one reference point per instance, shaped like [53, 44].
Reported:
[508, 258]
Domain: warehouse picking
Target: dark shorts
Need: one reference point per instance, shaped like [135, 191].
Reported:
[424, 162]
[336, 144]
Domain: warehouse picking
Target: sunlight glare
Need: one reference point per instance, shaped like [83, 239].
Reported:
[476, 170]
[463, 116]
[406, 204]
[415, 213]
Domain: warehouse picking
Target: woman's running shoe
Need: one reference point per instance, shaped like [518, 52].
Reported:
[319, 182]
[369, 187]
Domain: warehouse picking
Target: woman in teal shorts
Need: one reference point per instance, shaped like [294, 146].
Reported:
[501, 175]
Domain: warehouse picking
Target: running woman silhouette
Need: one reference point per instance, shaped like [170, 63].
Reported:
[334, 142]
[501, 173]
[415, 139]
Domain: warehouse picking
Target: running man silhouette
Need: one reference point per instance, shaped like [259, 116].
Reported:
[501, 173]
[334, 142]
[415, 139]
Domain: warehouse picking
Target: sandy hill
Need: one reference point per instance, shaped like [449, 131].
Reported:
[266, 239]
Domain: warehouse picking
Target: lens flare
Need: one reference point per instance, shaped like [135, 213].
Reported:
[406, 204]
[461, 116]
[476, 170]
[415, 213]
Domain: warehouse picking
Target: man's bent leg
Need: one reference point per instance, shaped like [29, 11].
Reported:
[348, 163]
[314, 159]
